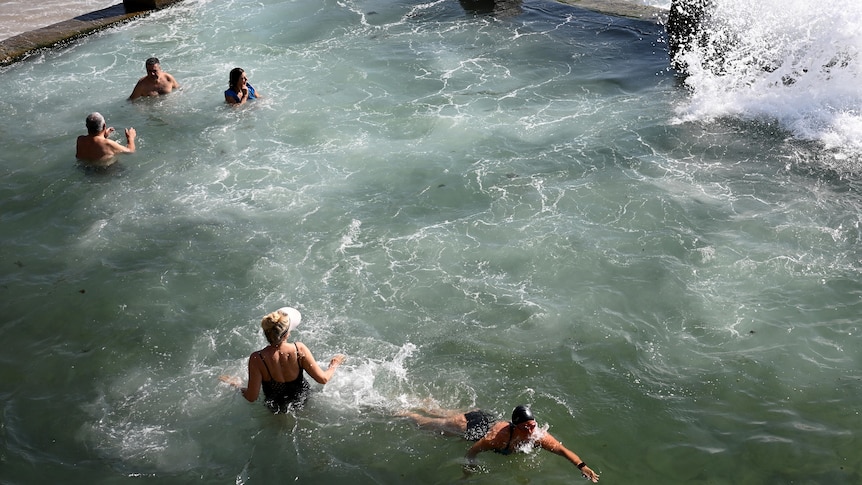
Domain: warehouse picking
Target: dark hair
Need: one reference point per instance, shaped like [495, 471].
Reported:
[152, 61]
[522, 414]
[235, 73]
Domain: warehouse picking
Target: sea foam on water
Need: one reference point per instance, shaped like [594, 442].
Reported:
[793, 62]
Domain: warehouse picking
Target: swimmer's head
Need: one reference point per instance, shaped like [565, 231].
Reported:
[235, 75]
[522, 414]
[279, 323]
[95, 123]
[152, 66]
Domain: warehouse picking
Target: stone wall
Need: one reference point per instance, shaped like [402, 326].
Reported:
[19, 47]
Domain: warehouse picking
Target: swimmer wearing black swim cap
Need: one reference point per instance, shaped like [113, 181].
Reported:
[491, 434]
[522, 414]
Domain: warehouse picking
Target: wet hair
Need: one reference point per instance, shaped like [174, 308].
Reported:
[235, 73]
[275, 326]
[95, 123]
[152, 61]
[522, 414]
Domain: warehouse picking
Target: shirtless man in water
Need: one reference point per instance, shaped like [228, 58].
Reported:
[95, 149]
[156, 81]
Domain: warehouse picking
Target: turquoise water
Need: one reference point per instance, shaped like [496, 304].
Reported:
[477, 210]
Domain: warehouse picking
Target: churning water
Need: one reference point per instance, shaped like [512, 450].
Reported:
[479, 210]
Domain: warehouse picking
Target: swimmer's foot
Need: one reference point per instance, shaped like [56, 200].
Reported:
[406, 413]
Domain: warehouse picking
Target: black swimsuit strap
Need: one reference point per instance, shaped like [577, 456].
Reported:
[511, 435]
[264, 364]
[298, 357]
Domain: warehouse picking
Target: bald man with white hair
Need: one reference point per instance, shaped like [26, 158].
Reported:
[96, 149]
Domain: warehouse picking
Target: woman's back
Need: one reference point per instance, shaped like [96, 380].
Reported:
[282, 363]
[278, 368]
[283, 382]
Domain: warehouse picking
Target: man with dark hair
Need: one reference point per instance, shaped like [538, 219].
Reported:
[95, 149]
[155, 83]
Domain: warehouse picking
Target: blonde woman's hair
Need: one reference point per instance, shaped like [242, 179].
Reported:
[275, 326]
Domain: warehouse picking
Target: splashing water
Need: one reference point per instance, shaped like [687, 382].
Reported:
[788, 61]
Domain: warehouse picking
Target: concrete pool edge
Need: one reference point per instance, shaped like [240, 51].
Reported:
[621, 8]
[21, 46]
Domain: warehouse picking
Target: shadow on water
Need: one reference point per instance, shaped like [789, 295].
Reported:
[500, 8]
[105, 13]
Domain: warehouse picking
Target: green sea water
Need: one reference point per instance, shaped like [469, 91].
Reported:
[479, 210]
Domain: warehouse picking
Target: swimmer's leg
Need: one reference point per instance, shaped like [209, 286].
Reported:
[454, 424]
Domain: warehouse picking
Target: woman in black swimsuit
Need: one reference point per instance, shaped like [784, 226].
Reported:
[278, 367]
[502, 437]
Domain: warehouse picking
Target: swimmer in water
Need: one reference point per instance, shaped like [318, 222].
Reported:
[95, 149]
[155, 83]
[502, 437]
[239, 90]
[278, 367]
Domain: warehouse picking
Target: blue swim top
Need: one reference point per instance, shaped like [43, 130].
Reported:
[233, 94]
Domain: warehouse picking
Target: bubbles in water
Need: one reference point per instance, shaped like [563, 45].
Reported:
[381, 384]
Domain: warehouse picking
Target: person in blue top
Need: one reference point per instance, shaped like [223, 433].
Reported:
[504, 437]
[239, 90]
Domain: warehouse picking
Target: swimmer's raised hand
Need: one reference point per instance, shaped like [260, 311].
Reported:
[233, 381]
[336, 361]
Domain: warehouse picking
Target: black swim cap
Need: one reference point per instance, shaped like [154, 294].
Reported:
[522, 414]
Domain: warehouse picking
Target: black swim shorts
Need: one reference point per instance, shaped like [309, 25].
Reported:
[478, 424]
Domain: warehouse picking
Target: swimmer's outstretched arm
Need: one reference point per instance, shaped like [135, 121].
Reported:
[252, 391]
[310, 365]
[483, 444]
[551, 444]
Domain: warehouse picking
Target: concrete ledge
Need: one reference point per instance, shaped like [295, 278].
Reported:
[20, 46]
[621, 8]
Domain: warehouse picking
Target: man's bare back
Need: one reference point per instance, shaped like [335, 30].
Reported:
[96, 149]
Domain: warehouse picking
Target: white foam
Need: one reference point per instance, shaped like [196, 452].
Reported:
[784, 61]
